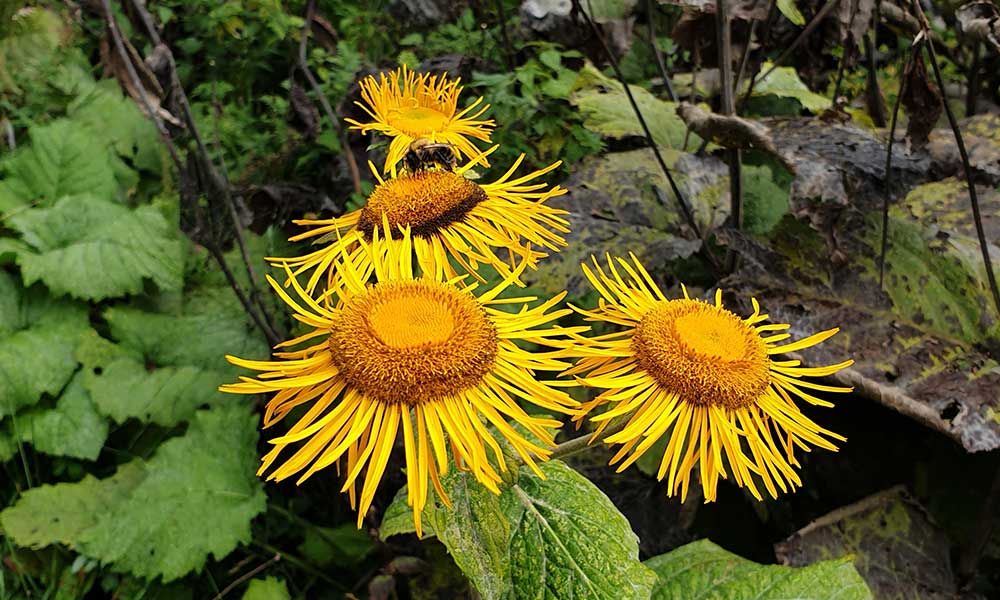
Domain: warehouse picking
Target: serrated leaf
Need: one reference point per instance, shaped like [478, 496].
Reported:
[93, 249]
[198, 498]
[269, 588]
[784, 82]
[36, 355]
[606, 110]
[112, 117]
[60, 161]
[60, 513]
[703, 570]
[571, 542]
[208, 325]
[73, 428]
[560, 537]
[123, 386]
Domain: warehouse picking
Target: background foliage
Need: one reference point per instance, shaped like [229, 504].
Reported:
[126, 475]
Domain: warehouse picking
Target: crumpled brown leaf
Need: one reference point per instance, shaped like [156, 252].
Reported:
[731, 132]
[922, 101]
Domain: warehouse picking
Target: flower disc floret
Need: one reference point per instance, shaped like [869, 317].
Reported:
[704, 353]
[426, 202]
[413, 342]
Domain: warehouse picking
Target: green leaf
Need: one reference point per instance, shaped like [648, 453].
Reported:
[115, 119]
[270, 588]
[703, 570]
[61, 513]
[791, 12]
[765, 202]
[606, 110]
[570, 541]
[209, 324]
[344, 545]
[123, 386]
[94, 249]
[62, 160]
[557, 537]
[784, 82]
[73, 428]
[198, 498]
[36, 354]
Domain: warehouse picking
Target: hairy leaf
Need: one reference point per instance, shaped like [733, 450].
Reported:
[94, 249]
[703, 570]
[61, 160]
[197, 499]
[124, 387]
[73, 428]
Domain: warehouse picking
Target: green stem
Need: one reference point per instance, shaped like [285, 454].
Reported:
[581, 443]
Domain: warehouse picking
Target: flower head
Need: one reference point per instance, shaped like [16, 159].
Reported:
[406, 107]
[705, 377]
[500, 224]
[424, 355]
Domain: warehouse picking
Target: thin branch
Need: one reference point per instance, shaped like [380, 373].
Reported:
[657, 54]
[733, 155]
[303, 65]
[973, 91]
[887, 178]
[248, 575]
[255, 303]
[685, 209]
[977, 217]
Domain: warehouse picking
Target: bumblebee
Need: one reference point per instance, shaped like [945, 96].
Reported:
[425, 154]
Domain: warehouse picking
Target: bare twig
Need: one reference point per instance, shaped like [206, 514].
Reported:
[977, 218]
[973, 91]
[887, 178]
[681, 203]
[660, 64]
[254, 306]
[248, 575]
[733, 155]
[303, 65]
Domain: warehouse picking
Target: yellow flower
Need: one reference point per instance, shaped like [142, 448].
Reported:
[422, 355]
[422, 106]
[448, 215]
[705, 377]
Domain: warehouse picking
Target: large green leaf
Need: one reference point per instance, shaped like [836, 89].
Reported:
[205, 326]
[61, 513]
[36, 353]
[197, 499]
[476, 530]
[72, 428]
[162, 517]
[703, 570]
[558, 537]
[62, 160]
[123, 386]
[92, 248]
[115, 119]
[571, 542]
[606, 110]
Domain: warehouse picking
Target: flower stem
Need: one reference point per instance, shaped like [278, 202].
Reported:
[581, 443]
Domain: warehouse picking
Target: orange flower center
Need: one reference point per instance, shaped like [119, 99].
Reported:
[413, 341]
[706, 354]
[425, 201]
